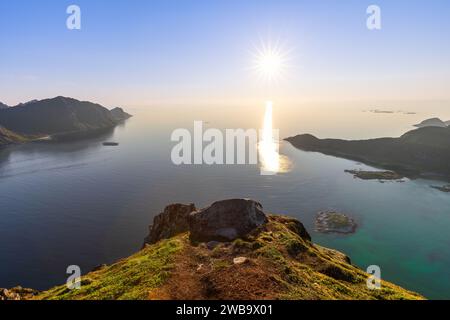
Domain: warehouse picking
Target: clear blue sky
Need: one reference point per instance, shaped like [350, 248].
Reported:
[144, 52]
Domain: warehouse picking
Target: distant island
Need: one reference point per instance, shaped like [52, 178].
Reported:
[375, 175]
[231, 250]
[57, 118]
[381, 111]
[421, 152]
[433, 122]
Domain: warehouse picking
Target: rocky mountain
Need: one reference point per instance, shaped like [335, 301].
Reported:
[433, 122]
[58, 116]
[119, 114]
[424, 151]
[3, 106]
[230, 250]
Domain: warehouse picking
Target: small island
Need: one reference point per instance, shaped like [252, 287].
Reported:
[375, 175]
[110, 144]
[335, 222]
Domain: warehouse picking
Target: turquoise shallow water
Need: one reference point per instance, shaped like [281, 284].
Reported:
[85, 204]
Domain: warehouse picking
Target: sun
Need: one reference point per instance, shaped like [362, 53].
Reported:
[270, 61]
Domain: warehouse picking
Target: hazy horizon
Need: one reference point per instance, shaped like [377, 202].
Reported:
[199, 52]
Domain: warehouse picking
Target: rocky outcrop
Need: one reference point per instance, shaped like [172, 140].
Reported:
[223, 221]
[226, 220]
[294, 225]
[119, 114]
[17, 293]
[171, 222]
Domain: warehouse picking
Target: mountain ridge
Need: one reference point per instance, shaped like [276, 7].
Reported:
[58, 116]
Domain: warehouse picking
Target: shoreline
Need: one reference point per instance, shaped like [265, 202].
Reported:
[409, 173]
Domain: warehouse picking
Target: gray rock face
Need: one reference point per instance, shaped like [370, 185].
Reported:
[173, 221]
[226, 220]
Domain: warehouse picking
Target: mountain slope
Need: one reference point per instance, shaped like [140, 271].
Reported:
[424, 151]
[9, 137]
[55, 116]
[276, 260]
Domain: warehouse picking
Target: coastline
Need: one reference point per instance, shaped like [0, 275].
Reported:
[408, 172]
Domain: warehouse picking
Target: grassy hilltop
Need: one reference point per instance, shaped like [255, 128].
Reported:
[276, 261]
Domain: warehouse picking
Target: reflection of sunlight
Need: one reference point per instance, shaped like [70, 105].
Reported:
[268, 148]
[271, 162]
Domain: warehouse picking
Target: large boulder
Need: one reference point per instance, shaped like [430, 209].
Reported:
[173, 221]
[226, 220]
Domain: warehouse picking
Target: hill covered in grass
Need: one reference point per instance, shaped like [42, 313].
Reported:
[274, 259]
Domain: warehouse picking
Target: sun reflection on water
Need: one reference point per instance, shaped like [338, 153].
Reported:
[270, 159]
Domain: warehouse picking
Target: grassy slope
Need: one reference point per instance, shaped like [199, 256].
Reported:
[281, 265]
[9, 137]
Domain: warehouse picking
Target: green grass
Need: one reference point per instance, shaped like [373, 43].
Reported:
[300, 269]
[128, 279]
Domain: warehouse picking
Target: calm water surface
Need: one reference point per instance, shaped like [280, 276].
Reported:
[84, 204]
